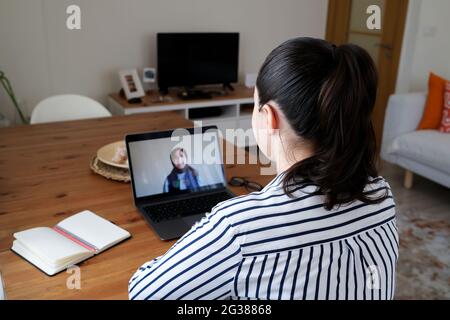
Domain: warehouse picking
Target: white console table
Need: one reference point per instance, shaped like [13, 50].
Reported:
[235, 110]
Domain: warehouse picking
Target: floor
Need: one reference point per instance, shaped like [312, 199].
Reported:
[423, 218]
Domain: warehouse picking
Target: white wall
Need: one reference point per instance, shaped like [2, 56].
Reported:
[426, 45]
[41, 57]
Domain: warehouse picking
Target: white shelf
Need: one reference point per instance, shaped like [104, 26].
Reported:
[231, 117]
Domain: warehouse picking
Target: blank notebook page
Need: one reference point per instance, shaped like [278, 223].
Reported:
[93, 229]
[49, 245]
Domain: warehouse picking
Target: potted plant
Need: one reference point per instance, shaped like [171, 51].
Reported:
[9, 90]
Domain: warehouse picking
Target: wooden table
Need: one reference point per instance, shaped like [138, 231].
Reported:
[45, 177]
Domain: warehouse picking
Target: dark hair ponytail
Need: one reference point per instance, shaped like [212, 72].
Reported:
[327, 93]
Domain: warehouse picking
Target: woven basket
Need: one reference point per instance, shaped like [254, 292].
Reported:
[110, 172]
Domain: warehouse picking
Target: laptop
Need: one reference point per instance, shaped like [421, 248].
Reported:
[177, 176]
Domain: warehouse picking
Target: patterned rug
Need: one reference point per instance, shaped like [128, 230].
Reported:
[423, 218]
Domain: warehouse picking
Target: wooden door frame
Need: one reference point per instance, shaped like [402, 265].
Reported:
[338, 21]
[336, 32]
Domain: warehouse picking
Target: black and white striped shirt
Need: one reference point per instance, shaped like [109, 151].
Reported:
[266, 245]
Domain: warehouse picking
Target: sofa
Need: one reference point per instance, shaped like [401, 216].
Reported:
[422, 152]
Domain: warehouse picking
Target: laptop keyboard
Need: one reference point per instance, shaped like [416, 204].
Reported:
[176, 209]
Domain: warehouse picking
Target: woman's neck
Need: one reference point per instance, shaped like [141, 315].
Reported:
[290, 154]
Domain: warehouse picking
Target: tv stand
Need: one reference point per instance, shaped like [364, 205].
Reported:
[227, 110]
[228, 86]
[190, 94]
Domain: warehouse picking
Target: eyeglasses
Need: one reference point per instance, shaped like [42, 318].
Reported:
[242, 182]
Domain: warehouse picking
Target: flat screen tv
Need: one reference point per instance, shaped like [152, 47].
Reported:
[190, 59]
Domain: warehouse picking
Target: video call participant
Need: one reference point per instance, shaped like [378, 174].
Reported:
[183, 176]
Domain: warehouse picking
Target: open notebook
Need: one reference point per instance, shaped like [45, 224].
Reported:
[71, 241]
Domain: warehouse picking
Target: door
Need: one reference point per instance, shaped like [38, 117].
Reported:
[347, 24]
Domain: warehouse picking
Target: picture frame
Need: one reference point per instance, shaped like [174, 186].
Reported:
[131, 84]
[149, 75]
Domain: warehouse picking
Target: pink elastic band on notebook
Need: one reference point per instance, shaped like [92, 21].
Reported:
[70, 237]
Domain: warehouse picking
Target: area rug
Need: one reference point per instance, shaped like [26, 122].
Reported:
[423, 219]
[423, 268]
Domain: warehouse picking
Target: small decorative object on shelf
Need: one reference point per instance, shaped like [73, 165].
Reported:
[250, 80]
[149, 75]
[131, 85]
[9, 90]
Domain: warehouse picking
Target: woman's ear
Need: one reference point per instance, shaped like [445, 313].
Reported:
[272, 118]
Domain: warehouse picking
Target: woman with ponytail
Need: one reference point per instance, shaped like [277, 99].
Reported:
[324, 227]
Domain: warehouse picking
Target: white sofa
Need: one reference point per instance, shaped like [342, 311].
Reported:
[424, 152]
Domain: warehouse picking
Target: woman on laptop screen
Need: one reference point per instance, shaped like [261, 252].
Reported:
[183, 176]
[325, 226]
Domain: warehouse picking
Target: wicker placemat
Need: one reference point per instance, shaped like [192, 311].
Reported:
[110, 172]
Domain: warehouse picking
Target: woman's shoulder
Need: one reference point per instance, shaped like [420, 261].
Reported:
[256, 205]
[273, 199]
[378, 185]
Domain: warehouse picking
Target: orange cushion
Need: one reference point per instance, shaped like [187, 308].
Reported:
[432, 115]
[445, 123]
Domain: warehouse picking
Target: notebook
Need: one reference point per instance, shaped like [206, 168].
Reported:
[71, 241]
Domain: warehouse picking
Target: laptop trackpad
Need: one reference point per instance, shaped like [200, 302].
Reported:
[190, 220]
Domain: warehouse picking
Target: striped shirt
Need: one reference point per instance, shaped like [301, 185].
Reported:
[267, 245]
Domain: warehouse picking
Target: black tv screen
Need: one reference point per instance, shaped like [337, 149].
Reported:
[190, 59]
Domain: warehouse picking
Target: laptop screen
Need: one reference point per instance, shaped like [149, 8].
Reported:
[177, 164]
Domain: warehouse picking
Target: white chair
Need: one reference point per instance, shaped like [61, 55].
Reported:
[67, 107]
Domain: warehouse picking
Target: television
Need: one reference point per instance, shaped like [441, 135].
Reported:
[191, 59]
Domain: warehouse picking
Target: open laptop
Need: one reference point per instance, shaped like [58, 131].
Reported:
[177, 176]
